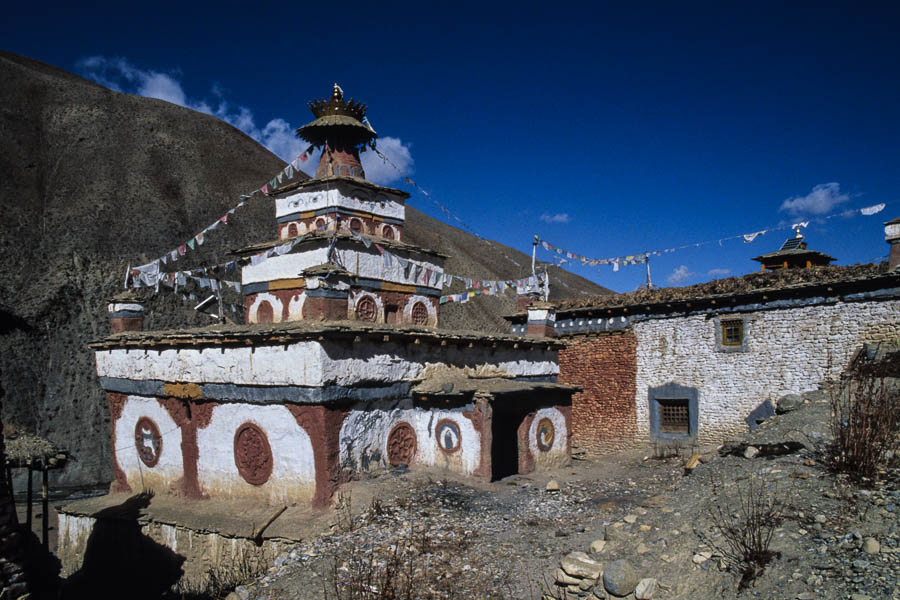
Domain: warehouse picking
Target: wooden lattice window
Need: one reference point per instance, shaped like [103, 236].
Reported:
[366, 310]
[674, 416]
[732, 332]
[419, 314]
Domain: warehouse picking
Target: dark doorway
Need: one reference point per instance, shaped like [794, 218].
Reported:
[505, 444]
[392, 314]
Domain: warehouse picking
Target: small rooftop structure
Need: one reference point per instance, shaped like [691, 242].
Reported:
[793, 254]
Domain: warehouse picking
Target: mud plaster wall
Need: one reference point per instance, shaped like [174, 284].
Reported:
[293, 477]
[787, 351]
[168, 472]
[316, 364]
[203, 550]
[604, 365]
[364, 433]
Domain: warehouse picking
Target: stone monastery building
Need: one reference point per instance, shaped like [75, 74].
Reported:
[340, 367]
[679, 366]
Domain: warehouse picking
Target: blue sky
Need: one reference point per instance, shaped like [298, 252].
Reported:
[607, 130]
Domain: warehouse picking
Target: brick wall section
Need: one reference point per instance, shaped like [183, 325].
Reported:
[604, 365]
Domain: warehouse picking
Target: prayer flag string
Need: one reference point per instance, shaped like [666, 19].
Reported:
[564, 256]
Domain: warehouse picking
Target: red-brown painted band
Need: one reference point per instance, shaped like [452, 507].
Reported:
[190, 417]
[323, 426]
[116, 405]
[482, 418]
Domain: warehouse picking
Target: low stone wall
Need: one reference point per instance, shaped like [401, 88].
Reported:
[204, 552]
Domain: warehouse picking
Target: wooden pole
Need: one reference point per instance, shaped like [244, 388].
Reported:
[45, 521]
[29, 498]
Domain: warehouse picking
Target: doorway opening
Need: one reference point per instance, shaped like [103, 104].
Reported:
[505, 444]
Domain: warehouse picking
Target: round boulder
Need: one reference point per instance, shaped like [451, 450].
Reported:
[788, 403]
[620, 578]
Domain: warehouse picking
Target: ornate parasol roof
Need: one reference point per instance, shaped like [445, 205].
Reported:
[337, 120]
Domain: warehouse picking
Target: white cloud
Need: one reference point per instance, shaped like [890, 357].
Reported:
[277, 135]
[718, 272]
[680, 275]
[380, 171]
[556, 218]
[822, 199]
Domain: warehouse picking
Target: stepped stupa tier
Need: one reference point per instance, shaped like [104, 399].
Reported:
[348, 260]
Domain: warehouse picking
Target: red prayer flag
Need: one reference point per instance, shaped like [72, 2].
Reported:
[224, 219]
[265, 189]
[304, 157]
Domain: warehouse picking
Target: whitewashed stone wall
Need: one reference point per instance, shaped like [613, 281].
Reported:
[557, 454]
[364, 433]
[169, 469]
[310, 363]
[293, 477]
[363, 200]
[787, 351]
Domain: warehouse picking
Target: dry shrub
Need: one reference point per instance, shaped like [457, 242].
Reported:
[747, 520]
[865, 419]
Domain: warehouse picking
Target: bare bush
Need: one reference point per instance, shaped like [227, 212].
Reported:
[747, 520]
[865, 420]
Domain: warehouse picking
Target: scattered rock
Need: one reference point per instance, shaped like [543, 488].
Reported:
[645, 589]
[871, 546]
[820, 518]
[564, 578]
[751, 452]
[788, 403]
[579, 564]
[552, 486]
[597, 546]
[630, 519]
[620, 578]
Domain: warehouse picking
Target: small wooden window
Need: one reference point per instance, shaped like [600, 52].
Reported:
[419, 314]
[732, 332]
[674, 416]
[366, 310]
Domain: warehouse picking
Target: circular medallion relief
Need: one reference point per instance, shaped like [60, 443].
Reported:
[366, 310]
[355, 225]
[252, 454]
[320, 224]
[545, 435]
[148, 441]
[419, 314]
[448, 435]
[401, 444]
[387, 232]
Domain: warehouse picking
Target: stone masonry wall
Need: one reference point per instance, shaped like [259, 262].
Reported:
[785, 351]
[605, 366]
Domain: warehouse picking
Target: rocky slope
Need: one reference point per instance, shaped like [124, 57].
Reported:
[92, 181]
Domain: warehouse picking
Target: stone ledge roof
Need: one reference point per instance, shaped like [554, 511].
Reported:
[779, 283]
[492, 385]
[313, 182]
[293, 331]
